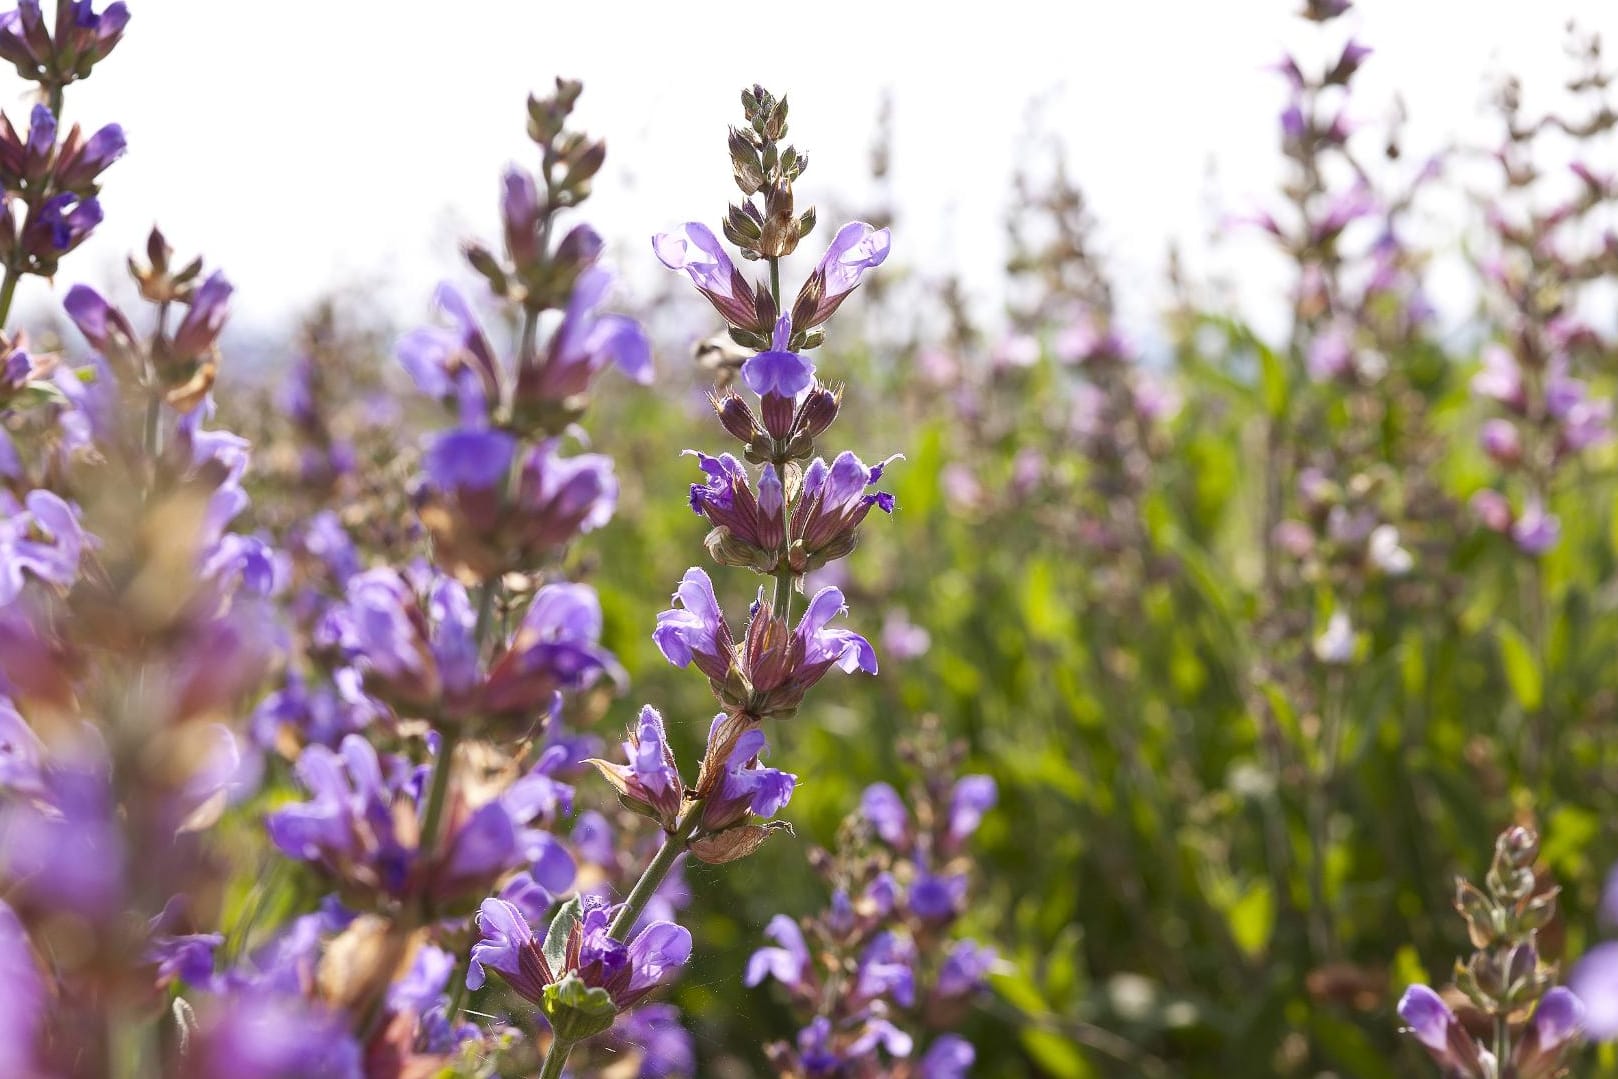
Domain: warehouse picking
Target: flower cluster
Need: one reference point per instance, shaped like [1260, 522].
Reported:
[881, 965]
[1503, 980]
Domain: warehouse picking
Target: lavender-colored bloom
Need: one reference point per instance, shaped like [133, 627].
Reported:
[696, 631]
[1536, 531]
[1594, 980]
[556, 647]
[949, 1057]
[559, 497]
[22, 997]
[1501, 441]
[966, 969]
[1335, 645]
[68, 851]
[453, 362]
[754, 523]
[902, 639]
[885, 811]
[81, 163]
[61, 224]
[1429, 1018]
[654, 1030]
[531, 899]
[882, 894]
[855, 251]
[824, 647]
[585, 342]
[834, 501]
[651, 780]
[260, 1035]
[39, 537]
[204, 319]
[694, 250]
[627, 973]
[187, 958]
[973, 796]
[746, 788]
[1558, 1020]
[1500, 378]
[1331, 355]
[595, 840]
[880, 1032]
[938, 898]
[788, 963]
[21, 754]
[886, 968]
[779, 371]
[423, 983]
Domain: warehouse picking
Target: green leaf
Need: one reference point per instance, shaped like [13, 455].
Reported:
[1056, 1055]
[1252, 919]
[1522, 669]
[556, 937]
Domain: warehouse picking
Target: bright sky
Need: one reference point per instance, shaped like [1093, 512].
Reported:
[314, 143]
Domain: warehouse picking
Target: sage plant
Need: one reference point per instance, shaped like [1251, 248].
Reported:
[1503, 981]
[797, 514]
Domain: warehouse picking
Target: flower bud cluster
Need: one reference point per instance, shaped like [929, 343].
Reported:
[880, 968]
[1504, 979]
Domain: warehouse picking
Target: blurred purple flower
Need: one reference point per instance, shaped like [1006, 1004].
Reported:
[788, 963]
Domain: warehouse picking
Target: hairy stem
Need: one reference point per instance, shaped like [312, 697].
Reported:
[8, 289]
[555, 1059]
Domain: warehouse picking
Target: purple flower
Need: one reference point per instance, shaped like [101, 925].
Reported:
[696, 631]
[1430, 1022]
[520, 215]
[628, 973]
[187, 958]
[886, 969]
[753, 524]
[949, 1057]
[1501, 441]
[650, 782]
[424, 982]
[584, 343]
[559, 497]
[61, 224]
[22, 997]
[1558, 1021]
[556, 647]
[1500, 378]
[938, 899]
[1594, 980]
[21, 754]
[902, 639]
[694, 250]
[884, 810]
[654, 1031]
[80, 163]
[67, 850]
[833, 502]
[855, 251]
[39, 537]
[966, 969]
[260, 1035]
[746, 788]
[972, 797]
[1536, 531]
[453, 362]
[204, 319]
[779, 372]
[787, 964]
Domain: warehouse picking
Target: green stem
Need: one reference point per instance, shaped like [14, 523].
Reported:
[673, 846]
[7, 290]
[555, 1059]
[775, 283]
[781, 601]
[436, 796]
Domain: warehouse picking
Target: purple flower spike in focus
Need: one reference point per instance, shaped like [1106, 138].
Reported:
[779, 372]
[855, 251]
[695, 251]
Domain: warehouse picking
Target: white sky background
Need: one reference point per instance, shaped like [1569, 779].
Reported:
[318, 143]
